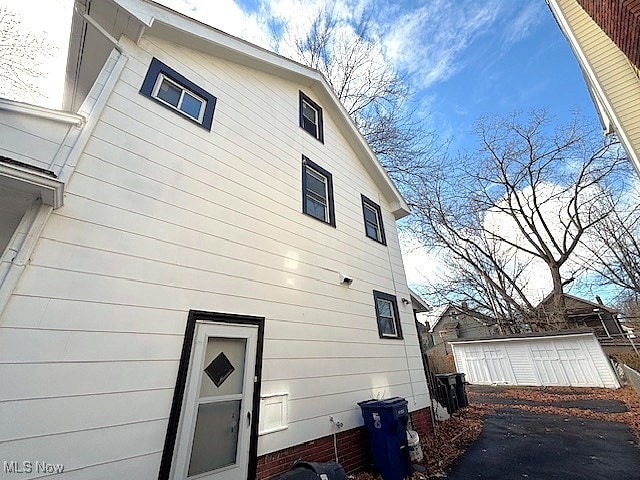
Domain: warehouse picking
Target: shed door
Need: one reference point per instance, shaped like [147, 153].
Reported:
[214, 436]
[562, 363]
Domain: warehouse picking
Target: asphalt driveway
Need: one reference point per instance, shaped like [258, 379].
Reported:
[520, 444]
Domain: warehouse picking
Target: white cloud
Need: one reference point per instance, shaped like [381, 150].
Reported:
[428, 42]
[526, 19]
[225, 15]
[421, 267]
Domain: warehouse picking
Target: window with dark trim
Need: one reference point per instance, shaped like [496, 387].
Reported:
[317, 192]
[311, 117]
[373, 226]
[387, 315]
[167, 87]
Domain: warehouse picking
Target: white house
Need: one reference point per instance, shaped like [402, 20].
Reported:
[201, 266]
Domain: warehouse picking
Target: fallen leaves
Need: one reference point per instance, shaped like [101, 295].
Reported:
[454, 435]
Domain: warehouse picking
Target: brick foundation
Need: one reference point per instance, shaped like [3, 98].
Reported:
[353, 452]
[421, 421]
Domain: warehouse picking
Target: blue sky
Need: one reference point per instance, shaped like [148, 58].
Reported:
[464, 58]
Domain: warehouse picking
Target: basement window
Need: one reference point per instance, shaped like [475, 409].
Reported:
[173, 91]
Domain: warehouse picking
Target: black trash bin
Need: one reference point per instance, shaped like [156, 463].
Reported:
[461, 393]
[448, 388]
[313, 471]
[386, 424]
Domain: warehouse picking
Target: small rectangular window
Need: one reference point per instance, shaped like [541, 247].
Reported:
[317, 192]
[373, 226]
[311, 117]
[173, 91]
[387, 315]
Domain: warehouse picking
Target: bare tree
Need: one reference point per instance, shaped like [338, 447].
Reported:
[524, 201]
[349, 53]
[613, 250]
[22, 55]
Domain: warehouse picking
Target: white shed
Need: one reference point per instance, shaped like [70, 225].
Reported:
[567, 358]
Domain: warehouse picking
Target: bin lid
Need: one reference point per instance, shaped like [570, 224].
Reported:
[384, 403]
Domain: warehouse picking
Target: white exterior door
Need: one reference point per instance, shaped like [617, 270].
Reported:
[564, 363]
[215, 426]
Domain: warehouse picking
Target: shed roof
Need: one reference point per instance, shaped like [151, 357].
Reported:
[557, 333]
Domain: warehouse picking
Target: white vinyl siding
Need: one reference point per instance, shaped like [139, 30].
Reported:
[160, 218]
[613, 71]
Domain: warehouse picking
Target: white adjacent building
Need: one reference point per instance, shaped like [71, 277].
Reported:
[201, 264]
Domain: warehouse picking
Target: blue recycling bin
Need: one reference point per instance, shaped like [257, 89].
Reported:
[386, 424]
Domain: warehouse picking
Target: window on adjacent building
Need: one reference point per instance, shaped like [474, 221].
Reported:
[373, 226]
[387, 315]
[311, 117]
[317, 192]
[173, 91]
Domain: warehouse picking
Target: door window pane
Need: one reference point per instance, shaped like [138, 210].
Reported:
[223, 364]
[215, 439]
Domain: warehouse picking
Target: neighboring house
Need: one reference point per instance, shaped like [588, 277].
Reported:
[457, 322]
[605, 37]
[582, 313]
[201, 266]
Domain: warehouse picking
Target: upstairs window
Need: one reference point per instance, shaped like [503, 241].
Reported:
[311, 117]
[317, 192]
[373, 226]
[387, 315]
[173, 91]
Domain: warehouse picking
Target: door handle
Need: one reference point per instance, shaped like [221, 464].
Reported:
[248, 419]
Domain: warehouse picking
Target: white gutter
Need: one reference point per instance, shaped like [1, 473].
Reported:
[41, 112]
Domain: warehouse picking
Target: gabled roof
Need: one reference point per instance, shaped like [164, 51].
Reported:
[418, 303]
[136, 18]
[585, 302]
[441, 312]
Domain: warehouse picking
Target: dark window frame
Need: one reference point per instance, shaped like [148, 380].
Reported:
[157, 68]
[320, 125]
[377, 295]
[330, 204]
[367, 202]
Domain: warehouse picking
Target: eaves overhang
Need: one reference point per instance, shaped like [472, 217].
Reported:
[45, 186]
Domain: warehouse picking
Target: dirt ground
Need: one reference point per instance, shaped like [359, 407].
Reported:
[454, 436]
